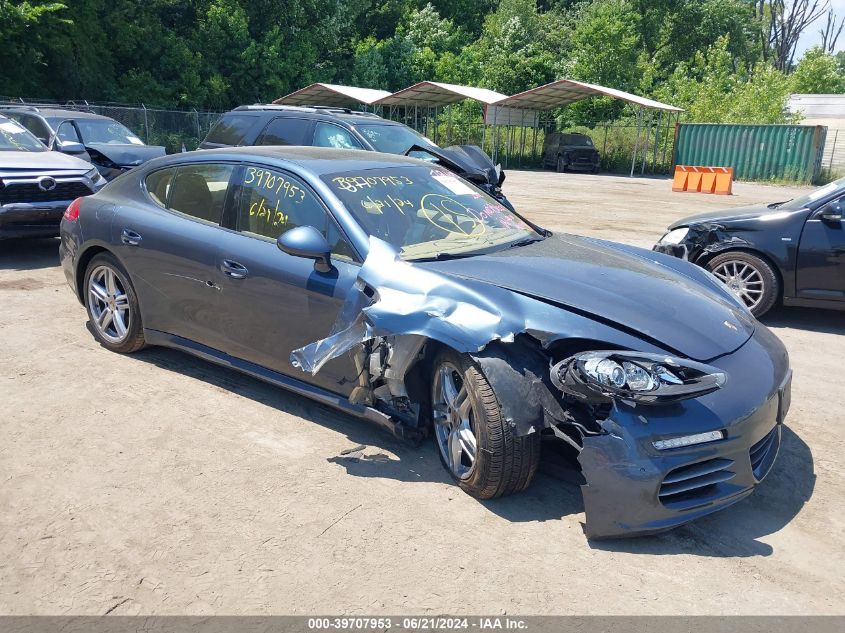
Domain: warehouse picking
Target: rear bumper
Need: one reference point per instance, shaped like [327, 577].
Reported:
[634, 489]
[39, 219]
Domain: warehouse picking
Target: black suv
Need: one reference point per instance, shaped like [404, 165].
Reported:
[342, 128]
[568, 150]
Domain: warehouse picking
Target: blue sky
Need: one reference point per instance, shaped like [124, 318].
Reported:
[811, 36]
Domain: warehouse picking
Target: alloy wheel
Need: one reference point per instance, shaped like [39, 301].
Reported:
[743, 279]
[453, 421]
[109, 304]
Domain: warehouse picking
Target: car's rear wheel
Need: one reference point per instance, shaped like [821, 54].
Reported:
[749, 277]
[113, 305]
[475, 443]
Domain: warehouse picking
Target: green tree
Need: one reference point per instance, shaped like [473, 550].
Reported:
[817, 73]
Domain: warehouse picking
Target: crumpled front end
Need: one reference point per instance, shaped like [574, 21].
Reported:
[634, 488]
[396, 309]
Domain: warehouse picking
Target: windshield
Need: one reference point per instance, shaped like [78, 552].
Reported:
[97, 131]
[392, 139]
[16, 138]
[426, 212]
[807, 199]
[577, 139]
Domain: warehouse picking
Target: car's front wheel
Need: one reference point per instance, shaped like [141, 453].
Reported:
[475, 442]
[113, 305]
[749, 277]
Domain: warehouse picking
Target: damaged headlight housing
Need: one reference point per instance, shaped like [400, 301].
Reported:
[675, 236]
[641, 377]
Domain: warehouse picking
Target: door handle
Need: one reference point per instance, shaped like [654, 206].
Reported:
[130, 237]
[233, 269]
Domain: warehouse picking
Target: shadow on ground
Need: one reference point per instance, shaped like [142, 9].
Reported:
[31, 254]
[555, 493]
[809, 319]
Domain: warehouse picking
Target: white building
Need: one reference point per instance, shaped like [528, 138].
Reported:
[826, 110]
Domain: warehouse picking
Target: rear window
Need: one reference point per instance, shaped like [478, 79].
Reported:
[576, 139]
[232, 129]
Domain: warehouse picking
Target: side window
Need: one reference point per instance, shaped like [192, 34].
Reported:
[198, 191]
[158, 185]
[67, 132]
[273, 202]
[328, 135]
[284, 131]
[231, 129]
[33, 125]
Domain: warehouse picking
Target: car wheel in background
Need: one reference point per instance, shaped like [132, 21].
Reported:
[475, 443]
[749, 277]
[560, 166]
[113, 305]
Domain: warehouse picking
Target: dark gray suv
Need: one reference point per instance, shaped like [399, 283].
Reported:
[342, 128]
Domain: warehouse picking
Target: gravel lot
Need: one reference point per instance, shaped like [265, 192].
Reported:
[160, 484]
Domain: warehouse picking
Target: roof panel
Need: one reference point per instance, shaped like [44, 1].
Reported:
[566, 91]
[332, 95]
[435, 94]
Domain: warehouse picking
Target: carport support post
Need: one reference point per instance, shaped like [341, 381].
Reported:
[534, 139]
[146, 125]
[449, 125]
[646, 135]
[656, 142]
[636, 143]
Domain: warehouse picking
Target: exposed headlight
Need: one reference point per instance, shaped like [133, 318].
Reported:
[676, 236]
[646, 378]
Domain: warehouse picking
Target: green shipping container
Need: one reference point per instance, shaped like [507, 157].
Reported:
[756, 152]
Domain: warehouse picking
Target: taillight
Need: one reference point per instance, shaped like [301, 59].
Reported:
[72, 211]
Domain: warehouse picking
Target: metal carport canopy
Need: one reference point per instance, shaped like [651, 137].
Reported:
[332, 95]
[433, 94]
[566, 91]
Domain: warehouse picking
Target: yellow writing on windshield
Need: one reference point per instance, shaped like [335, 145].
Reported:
[449, 215]
[376, 205]
[355, 183]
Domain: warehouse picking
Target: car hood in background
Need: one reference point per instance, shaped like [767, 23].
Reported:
[633, 292]
[740, 214]
[13, 162]
[128, 155]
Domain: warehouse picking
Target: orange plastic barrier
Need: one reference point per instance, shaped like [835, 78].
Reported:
[718, 180]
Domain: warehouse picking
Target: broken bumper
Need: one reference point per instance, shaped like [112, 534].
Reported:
[632, 488]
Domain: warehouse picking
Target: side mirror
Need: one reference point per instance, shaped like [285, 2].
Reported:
[70, 147]
[832, 212]
[307, 242]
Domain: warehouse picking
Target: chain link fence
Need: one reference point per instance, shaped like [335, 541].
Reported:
[174, 129]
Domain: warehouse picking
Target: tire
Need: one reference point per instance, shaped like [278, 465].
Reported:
[560, 165]
[112, 305]
[503, 463]
[750, 277]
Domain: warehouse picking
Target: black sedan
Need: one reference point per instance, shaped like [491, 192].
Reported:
[396, 291]
[790, 251]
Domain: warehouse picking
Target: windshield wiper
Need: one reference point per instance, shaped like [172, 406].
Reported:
[525, 242]
[775, 205]
[441, 257]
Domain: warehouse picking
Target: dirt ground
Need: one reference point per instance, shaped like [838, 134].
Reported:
[161, 484]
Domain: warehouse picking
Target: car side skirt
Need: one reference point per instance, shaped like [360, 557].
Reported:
[163, 339]
[813, 303]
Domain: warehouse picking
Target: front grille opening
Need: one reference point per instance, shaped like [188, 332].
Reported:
[30, 192]
[696, 484]
[763, 454]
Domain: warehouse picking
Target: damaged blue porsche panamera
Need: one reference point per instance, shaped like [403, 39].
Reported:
[398, 292]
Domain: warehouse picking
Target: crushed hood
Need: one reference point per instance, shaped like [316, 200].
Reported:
[128, 155]
[635, 292]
